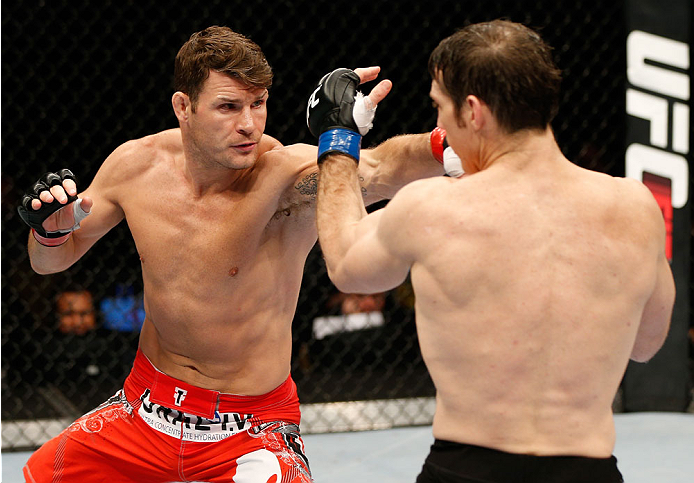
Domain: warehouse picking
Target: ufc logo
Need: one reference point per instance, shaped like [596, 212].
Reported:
[179, 396]
[659, 93]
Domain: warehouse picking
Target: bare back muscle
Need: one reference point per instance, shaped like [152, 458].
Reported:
[529, 287]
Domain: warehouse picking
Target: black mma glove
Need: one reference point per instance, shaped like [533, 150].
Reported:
[35, 218]
[337, 114]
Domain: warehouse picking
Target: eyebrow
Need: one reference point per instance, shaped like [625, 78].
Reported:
[238, 100]
[233, 100]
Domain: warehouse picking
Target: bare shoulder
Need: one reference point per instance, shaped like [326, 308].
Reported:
[623, 194]
[424, 188]
[268, 143]
[292, 162]
[627, 206]
[413, 214]
[292, 155]
[418, 200]
[634, 189]
[638, 200]
[131, 162]
[136, 157]
[295, 168]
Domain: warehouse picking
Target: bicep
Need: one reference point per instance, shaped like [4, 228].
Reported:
[657, 312]
[655, 320]
[106, 212]
[301, 170]
[371, 264]
[306, 187]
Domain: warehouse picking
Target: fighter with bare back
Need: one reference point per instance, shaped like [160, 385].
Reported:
[223, 217]
[535, 280]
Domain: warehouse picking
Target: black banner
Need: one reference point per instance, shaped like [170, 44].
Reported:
[658, 104]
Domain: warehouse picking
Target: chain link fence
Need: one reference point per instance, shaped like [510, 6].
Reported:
[80, 78]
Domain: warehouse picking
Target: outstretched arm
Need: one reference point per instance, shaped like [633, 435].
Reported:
[362, 252]
[404, 159]
[356, 246]
[385, 169]
[339, 116]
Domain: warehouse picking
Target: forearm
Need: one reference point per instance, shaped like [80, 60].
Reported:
[52, 259]
[339, 208]
[396, 162]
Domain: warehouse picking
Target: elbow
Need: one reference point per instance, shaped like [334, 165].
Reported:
[46, 263]
[46, 267]
[341, 282]
[38, 268]
[43, 270]
[641, 357]
[346, 283]
[645, 352]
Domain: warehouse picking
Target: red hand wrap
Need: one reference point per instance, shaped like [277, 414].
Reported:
[437, 138]
[50, 242]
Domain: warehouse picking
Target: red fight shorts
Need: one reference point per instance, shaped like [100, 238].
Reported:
[160, 429]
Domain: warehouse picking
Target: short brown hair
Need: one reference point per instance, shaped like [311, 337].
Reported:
[506, 65]
[222, 50]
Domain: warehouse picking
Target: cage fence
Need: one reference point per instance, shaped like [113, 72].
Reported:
[80, 78]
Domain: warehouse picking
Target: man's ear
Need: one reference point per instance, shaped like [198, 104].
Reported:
[181, 106]
[477, 112]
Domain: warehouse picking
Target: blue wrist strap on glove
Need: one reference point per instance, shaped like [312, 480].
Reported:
[339, 140]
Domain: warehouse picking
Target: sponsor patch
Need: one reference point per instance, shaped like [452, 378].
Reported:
[194, 428]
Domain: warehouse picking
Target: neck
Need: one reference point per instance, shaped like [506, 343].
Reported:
[207, 176]
[520, 149]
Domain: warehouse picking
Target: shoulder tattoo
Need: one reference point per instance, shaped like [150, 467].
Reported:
[308, 186]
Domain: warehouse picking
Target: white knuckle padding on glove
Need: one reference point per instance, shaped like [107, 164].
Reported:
[363, 113]
[452, 163]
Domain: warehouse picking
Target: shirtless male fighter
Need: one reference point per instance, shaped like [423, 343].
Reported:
[535, 280]
[223, 217]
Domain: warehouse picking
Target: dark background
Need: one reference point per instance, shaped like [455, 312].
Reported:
[80, 78]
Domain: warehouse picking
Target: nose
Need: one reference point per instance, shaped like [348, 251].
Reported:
[245, 123]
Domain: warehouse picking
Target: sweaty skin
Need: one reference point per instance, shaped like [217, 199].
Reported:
[223, 218]
[538, 319]
[536, 281]
[221, 271]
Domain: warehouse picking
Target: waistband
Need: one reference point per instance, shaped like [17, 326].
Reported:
[443, 448]
[282, 403]
[480, 463]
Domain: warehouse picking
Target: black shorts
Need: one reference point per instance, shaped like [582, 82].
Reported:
[463, 463]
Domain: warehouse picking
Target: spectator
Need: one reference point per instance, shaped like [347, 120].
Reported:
[76, 313]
